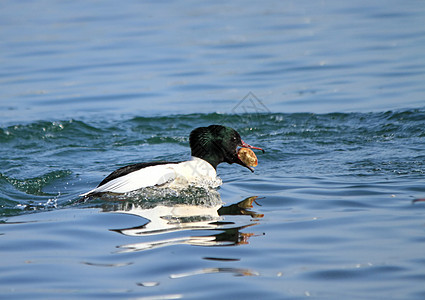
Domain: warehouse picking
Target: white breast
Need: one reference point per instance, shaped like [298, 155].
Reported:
[194, 171]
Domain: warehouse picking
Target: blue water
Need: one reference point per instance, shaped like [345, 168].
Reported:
[334, 91]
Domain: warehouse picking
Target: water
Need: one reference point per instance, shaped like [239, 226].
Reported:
[333, 91]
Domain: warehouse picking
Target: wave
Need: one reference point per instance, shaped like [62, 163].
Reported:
[27, 195]
[34, 186]
[166, 129]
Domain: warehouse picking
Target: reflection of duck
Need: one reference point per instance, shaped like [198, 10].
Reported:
[418, 200]
[210, 146]
[175, 218]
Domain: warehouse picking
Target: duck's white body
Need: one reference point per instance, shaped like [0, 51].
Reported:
[172, 175]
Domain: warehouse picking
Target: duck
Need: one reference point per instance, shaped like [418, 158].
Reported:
[210, 146]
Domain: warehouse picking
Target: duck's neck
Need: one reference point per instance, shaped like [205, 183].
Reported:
[213, 160]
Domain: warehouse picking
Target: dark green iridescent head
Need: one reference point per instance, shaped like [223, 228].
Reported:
[216, 144]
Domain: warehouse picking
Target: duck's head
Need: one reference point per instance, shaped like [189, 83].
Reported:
[216, 144]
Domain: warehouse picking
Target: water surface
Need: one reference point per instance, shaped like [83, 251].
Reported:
[332, 90]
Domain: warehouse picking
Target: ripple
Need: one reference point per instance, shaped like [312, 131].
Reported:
[357, 271]
[234, 271]
[108, 265]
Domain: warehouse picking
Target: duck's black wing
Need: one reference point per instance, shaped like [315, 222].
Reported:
[132, 168]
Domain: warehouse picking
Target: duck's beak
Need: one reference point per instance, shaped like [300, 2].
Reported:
[239, 161]
[245, 145]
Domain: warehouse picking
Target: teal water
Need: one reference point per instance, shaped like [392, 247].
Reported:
[332, 90]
